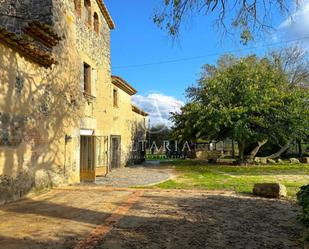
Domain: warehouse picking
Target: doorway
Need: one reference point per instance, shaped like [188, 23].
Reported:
[87, 158]
[115, 152]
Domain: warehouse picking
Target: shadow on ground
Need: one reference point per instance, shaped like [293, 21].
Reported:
[199, 220]
[159, 219]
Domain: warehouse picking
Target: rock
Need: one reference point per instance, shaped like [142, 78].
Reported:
[280, 161]
[271, 161]
[201, 155]
[294, 160]
[305, 160]
[270, 190]
[261, 160]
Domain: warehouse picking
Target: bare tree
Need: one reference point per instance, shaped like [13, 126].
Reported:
[294, 61]
[249, 16]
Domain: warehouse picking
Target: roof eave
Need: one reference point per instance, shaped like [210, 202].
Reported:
[123, 85]
[106, 14]
[139, 111]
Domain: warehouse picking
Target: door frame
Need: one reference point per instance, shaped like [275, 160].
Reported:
[111, 151]
[104, 152]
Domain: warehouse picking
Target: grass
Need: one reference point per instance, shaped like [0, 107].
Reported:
[197, 175]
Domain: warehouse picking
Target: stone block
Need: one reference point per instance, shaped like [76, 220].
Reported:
[294, 160]
[270, 190]
[305, 160]
[260, 160]
[271, 161]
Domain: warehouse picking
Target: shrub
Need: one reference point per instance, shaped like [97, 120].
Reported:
[303, 200]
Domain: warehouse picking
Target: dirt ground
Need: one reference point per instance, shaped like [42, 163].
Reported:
[94, 217]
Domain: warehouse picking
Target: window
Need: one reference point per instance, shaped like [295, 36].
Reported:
[96, 23]
[78, 7]
[115, 97]
[87, 79]
[87, 12]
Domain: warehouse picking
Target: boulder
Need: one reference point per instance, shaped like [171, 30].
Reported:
[280, 161]
[305, 160]
[270, 190]
[271, 161]
[294, 160]
[260, 160]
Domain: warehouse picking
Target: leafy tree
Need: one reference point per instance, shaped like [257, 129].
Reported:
[158, 134]
[250, 17]
[186, 130]
[249, 100]
[294, 62]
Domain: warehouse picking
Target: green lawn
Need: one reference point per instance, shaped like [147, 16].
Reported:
[196, 175]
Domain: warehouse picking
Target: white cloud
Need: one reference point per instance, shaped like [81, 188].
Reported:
[158, 106]
[297, 25]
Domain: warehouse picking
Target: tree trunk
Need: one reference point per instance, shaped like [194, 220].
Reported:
[241, 149]
[257, 148]
[300, 149]
[233, 149]
[283, 149]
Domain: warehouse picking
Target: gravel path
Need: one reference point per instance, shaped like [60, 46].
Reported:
[136, 176]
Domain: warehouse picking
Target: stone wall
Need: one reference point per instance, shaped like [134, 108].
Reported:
[50, 101]
[130, 125]
[15, 188]
[35, 118]
[39, 107]
[17, 14]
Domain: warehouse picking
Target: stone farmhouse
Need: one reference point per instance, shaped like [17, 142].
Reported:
[63, 117]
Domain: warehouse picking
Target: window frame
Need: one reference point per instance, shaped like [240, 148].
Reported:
[115, 98]
[87, 79]
[96, 23]
[87, 8]
[78, 7]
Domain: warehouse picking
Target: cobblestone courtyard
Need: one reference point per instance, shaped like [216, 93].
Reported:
[136, 176]
[96, 217]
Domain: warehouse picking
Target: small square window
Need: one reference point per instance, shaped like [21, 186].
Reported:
[115, 97]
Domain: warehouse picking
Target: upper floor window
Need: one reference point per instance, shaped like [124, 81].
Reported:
[87, 12]
[78, 7]
[115, 97]
[96, 22]
[87, 79]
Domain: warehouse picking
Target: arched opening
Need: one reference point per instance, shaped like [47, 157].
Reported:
[78, 7]
[87, 12]
[96, 22]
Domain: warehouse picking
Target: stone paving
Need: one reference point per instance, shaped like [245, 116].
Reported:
[108, 215]
[98, 217]
[136, 176]
[60, 219]
[184, 219]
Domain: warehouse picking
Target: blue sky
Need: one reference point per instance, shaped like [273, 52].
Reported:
[137, 40]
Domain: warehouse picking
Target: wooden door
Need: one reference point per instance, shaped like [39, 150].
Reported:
[87, 158]
[115, 152]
